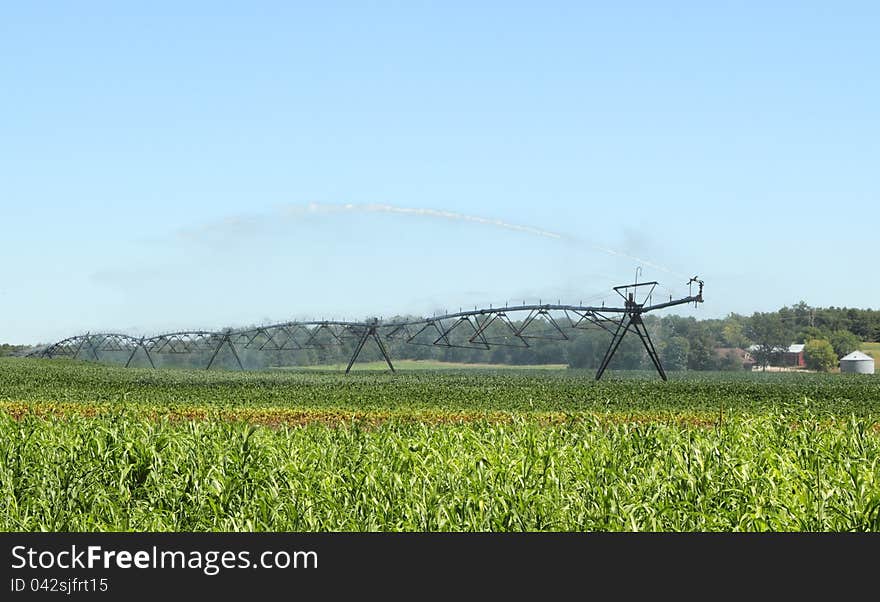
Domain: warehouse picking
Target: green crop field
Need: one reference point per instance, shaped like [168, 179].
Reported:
[406, 365]
[90, 447]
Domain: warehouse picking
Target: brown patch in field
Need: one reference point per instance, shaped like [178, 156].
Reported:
[285, 417]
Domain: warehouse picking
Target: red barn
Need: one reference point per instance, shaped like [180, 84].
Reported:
[794, 356]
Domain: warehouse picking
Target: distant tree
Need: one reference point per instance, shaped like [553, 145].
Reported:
[675, 353]
[807, 333]
[731, 361]
[844, 342]
[819, 355]
[582, 352]
[733, 333]
[701, 355]
[6, 349]
[803, 313]
[769, 333]
[714, 329]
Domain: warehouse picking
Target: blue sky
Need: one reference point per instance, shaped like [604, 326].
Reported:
[166, 166]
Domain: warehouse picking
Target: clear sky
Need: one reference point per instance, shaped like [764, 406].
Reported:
[173, 165]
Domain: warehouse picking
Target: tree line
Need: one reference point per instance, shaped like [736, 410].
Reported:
[683, 343]
[6, 349]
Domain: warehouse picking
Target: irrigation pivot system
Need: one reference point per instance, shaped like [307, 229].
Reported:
[472, 329]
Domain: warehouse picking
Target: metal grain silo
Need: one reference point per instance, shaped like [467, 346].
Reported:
[857, 363]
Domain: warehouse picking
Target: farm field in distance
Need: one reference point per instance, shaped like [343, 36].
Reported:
[94, 447]
[872, 349]
[427, 365]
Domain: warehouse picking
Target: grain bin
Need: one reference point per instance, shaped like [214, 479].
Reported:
[857, 363]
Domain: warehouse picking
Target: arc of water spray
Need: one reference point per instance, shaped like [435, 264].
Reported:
[329, 208]
[326, 208]
[644, 262]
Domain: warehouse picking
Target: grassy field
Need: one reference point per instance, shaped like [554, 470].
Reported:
[872, 349]
[89, 447]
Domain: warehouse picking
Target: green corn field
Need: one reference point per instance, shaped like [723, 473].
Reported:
[95, 448]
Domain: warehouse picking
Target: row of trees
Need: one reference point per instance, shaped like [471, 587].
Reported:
[6, 349]
[825, 333]
[691, 344]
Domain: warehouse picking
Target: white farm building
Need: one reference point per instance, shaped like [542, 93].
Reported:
[857, 363]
